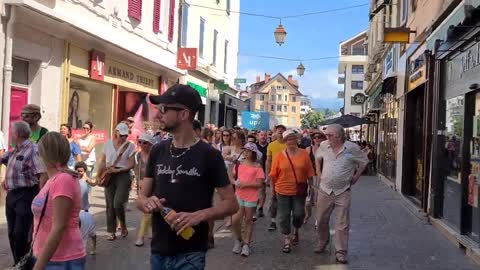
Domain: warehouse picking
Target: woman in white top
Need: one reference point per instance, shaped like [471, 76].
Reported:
[87, 145]
[117, 160]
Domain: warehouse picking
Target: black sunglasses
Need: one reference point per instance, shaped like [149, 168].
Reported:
[164, 108]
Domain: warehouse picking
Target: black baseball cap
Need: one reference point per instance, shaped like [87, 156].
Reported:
[280, 126]
[181, 94]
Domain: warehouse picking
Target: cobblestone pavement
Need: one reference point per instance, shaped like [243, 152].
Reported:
[384, 235]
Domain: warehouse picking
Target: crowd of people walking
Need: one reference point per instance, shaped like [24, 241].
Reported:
[185, 177]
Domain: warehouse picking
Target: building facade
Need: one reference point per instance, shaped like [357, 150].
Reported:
[88, 61]
[423, 95]
[280, 97]
[351, 70]
[210, 27]
[305, 105]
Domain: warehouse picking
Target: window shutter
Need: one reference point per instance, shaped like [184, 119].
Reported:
[156, 16]
[171, 20]
[135, 9]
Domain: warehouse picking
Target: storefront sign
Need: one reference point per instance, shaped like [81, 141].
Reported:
[417, 70]
[389, 64]
[97, 65]
[462, 71]
[100, 135]
[187, 58]
[120, 71]
[255, 120]
[358, 99]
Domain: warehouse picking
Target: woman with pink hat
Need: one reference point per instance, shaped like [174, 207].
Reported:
[248, 177]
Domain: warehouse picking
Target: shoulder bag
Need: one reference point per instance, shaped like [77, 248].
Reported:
[302, 188]
[27, 262]
[103, 179]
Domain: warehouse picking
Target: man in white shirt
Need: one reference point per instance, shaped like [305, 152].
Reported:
[343, 164]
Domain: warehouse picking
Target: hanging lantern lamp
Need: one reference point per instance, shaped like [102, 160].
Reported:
[280, 34]
[300, 69]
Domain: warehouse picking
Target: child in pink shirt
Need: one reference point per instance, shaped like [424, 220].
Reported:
[248, 176]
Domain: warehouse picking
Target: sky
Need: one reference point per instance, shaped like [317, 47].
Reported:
[307, 37]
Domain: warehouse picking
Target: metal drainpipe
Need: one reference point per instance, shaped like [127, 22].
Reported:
[7, 70]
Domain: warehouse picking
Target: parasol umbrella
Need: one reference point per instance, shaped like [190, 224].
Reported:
[346, 121]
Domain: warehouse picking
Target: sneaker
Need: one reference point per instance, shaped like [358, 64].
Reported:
[260, 212]
[245, 251]
[272, 227]
[237, 247]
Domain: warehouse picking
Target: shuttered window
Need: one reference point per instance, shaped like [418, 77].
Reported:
[171, 20]
[135, 9]
[156, 16]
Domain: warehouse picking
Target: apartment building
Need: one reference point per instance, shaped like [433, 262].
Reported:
[351, 68]
[280, 97]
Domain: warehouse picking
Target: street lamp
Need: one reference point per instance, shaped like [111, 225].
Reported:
[280, 34]
[300, 69]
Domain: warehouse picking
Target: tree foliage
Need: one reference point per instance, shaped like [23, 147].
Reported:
[312, 119]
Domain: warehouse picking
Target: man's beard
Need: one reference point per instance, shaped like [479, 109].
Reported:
[169, 128]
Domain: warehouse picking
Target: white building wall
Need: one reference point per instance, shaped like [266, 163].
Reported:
[40, 39]
[227, 26]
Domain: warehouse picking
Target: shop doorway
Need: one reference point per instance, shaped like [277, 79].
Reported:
[414, 184]
[18, 99]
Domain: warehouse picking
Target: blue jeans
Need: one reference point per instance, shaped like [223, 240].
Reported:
[77, 264]
[186, 261]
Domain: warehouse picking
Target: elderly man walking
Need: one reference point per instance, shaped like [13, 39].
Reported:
[24, 171]
[343, 164]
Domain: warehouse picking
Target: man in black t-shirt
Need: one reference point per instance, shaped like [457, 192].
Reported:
[182, 174]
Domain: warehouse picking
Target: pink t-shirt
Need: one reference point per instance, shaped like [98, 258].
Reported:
[248, 174]
[71, 246]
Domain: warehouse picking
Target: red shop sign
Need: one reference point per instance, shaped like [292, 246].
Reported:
[187, 58]
[100, 135]
[97, 65]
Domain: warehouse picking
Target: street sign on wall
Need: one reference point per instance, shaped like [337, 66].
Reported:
[240, 80]
[187, 58]
[255, 120]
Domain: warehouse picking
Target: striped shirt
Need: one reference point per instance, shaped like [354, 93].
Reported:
[338, 169]
[23, 166]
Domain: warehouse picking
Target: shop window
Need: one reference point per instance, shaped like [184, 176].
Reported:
[454, 134]
[20, 71]
[387, 140]
[90, 101]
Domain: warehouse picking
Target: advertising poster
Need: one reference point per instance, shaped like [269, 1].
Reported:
[255, 120]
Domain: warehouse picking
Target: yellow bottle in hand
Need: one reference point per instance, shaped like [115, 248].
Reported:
[186, 233]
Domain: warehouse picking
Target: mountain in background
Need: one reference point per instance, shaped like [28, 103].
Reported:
[331, 103]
